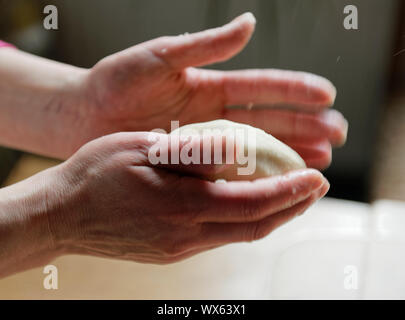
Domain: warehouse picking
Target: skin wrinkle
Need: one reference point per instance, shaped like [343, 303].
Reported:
[188, 93]
[48, 222]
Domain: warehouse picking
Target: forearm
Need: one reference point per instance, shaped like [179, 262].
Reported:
[26, 236]
[39, 111]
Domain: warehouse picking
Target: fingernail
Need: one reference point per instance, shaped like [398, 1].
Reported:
[318, 183]
[325, 188]
[345, 131]
[337, 124]
[316, 179]
[318, 86]
[321, 192]
[333, 94]
[317, 195]
[248, 16]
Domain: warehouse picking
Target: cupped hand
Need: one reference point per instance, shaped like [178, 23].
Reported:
[116, 204]
[149, 85]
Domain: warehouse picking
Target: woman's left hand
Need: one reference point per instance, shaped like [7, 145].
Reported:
[149, 85]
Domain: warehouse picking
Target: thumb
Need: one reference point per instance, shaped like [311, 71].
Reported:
[206, 47]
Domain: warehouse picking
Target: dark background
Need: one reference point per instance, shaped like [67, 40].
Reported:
[306, 35]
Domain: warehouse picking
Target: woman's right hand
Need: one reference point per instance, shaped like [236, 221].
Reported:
[110, 201]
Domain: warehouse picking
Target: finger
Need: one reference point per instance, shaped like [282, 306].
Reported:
[316, 154]
[246, 201]
[301, 90]
[209, 46]
[240, 201]
[220, 233]
[292, 125]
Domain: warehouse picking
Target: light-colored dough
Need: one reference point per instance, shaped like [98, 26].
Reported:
[272, 156]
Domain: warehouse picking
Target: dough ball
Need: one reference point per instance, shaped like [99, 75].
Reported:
[270, 156]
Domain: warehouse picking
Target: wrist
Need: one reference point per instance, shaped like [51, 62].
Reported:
[52, 90]
[27, 236]
[65, 203]
[70, 111]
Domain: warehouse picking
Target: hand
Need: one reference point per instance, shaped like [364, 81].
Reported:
[150, 84]
[116, 204]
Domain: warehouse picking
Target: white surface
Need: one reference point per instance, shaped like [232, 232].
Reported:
[305, 259]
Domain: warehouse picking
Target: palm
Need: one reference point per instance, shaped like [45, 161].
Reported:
[149, 85]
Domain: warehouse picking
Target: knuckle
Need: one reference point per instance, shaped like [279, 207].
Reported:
[175, 248]
[256, 231]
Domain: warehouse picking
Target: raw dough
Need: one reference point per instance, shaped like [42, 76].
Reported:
[272, 157]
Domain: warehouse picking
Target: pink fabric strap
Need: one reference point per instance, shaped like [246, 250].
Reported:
[5, 44]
